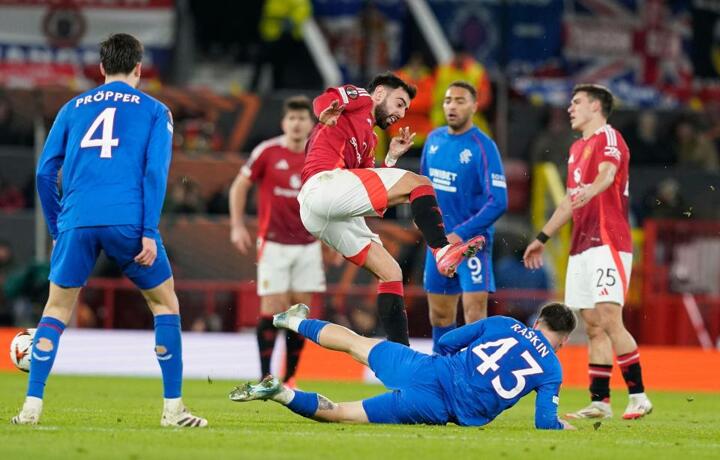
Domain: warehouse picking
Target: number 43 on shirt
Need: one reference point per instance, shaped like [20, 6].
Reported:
[106, 141]
[490, 363]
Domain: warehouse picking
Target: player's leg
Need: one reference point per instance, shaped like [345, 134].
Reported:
[326, 334]
[71, 262]
[443, 315]
[475, 306]
[442, 294]
[390, 299]
[579, 295]
[613, 271]
[56, 315]
[311, 405]
[121, 243]
[294, 342]
[307, 276]
[265, 332]
[273, 283]
[419, 192]
[628, 358]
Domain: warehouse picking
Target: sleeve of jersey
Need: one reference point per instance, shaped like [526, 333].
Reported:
[350, 97]
[611, 149]
[254, 169]
[546, 407]
[46, 175]
[459, 338]
[492, 179]
[157, 165]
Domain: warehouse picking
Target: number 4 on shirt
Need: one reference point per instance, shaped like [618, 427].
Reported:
[490, 362]
[106, 141]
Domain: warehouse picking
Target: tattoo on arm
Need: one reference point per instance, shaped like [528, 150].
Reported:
[325, 404]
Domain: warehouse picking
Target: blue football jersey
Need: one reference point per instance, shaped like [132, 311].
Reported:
[467, 173]
[114, 145]
[501, 361]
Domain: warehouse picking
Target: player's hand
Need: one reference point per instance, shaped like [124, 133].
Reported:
[533, 255]
[453, 238]
[149, 252]
[401, 143]
[240, 237]
[330, 115]
[566, 425]
[581, 198]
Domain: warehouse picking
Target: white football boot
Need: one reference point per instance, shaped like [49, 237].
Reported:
[30, 413]
[638, 406]
[596, 409]
[176, 415]
[291, 318]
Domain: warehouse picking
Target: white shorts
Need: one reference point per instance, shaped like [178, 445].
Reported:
[290, 268]
[333, 206]
[598, 274]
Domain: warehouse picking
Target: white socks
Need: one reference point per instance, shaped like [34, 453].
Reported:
[294, 323]
[284, 396]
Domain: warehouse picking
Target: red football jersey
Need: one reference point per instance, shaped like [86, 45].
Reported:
[604, 219]
[350, 144]
[277, 169]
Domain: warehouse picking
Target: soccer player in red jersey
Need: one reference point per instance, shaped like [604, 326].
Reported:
[341, 186]
[598, 272]
[289, 267]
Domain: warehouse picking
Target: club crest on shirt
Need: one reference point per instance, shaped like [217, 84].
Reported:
[587, 151]
[282, 164]
[351, 92]
[465, 156]
[433, 149]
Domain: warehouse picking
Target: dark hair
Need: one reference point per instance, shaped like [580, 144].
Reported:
[599, 93]
[297, 103]
[391, 80]
[464, 85]
[558, 317]
[120, 53]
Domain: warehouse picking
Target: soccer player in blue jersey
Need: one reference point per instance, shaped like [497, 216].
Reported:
[486, 367]
[114, 145]
[466, 171]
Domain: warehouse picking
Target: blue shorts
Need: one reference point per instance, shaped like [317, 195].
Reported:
[77, 249]
[417, 395]
[474, 274]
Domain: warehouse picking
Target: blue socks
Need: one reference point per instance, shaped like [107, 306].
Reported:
[168, 349]
[439, 331]
[44, 350]
[310, 328]
[304, 403]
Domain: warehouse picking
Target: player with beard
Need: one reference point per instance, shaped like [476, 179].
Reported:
[466, 171]
[341, 186]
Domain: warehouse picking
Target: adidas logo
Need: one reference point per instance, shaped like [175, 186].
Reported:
[282, 164]
[604, 291]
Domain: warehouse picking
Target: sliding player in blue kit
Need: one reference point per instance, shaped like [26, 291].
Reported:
[486, 368]
[466, 171]
[114, 145]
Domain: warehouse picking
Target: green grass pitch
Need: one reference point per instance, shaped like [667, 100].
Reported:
[118, 418]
